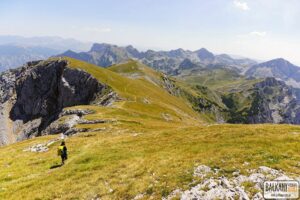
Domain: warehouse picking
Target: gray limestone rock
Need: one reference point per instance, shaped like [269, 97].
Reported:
[34, 96]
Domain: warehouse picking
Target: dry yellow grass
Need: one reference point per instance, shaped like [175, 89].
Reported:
[141, 151]
[125, 160]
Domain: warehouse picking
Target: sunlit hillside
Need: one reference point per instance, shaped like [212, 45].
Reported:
[148, 146]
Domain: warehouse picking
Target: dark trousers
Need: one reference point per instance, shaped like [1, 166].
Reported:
[63, 158]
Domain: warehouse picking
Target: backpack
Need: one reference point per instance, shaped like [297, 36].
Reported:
[60, 150]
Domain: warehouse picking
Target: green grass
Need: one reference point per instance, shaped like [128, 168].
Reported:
[155, 161]
[135, 91]
[138, 69]
[218, 79]
[232, 93]
[138, 150]
[213, 78]
[190, 94]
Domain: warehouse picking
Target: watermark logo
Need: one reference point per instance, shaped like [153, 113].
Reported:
[281, 189]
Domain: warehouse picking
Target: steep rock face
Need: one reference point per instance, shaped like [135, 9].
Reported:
[269, 101]
[207, 102]
[107, 55]
[204, 101]
[187, 64]
[7, 98]
[274, 102]
[32, 97]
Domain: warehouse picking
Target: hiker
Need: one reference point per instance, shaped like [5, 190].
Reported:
[62, 152]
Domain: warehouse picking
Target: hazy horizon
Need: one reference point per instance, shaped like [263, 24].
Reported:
[258, 29]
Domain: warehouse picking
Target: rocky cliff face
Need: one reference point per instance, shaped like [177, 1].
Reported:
[32, 97]
[202, 100]
[274, 102]
[269, 101]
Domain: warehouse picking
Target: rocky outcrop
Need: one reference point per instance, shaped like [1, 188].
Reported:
[274, 102]
[170, 86]
[203, 102]
[7, 99]
[210, 184]
[68, 119]
[42, 147]
[209, 107]
[33, 96]
[268, 101]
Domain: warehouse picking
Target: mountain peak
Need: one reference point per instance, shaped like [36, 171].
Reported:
[177, 52]
[133, 51]
[279, 59]
[130, 47]
[225, 56]
[187, 64]
[70, 52]
[98, 47]
[278, 68]
[278, 62]
[203, 50]
[204, 54]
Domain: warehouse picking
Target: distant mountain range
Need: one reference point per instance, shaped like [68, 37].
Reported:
[167, 61]
[176, 62]
[56, 43]
[13, 56]
[16, 51]
[278, 68]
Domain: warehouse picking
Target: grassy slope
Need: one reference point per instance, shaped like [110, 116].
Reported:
[188, 93]
[136, 92]
[235, 90]
[142, 160]
[213, 78]
[219, 79]
[141, 152]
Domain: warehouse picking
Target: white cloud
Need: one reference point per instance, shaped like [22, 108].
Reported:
[253, 34]
[258, 33]
[97, 30]
[241, 5]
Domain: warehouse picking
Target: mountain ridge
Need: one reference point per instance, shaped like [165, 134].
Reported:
[157, 134]
[173, 61]
[58, 83]
[167, 61]
[17, 50]
[12, 56]
[278, 68]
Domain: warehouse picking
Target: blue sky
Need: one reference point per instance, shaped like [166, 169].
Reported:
[262, 29]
